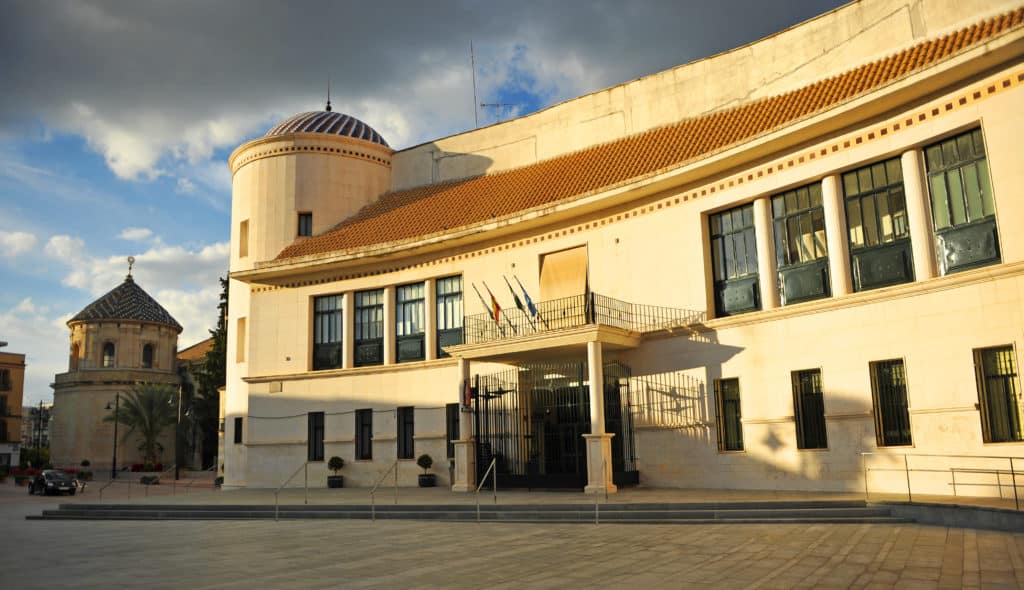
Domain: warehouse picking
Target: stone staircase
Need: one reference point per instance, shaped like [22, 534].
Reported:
[804, 512]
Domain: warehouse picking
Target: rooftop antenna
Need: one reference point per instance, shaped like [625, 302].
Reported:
[498, 108]
[131, 262]
[328, 94]
[472, 61]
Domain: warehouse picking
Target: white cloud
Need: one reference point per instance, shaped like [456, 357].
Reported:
[43, 337]
[14, 243]
[136, 234]
[66, 248]
[185, 186]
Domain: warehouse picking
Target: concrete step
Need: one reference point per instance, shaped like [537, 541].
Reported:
[747, 512]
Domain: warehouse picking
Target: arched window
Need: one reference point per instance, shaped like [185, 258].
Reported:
[147, 356]
[108, 354]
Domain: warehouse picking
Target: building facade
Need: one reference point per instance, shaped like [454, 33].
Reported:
[792, 278]
[12, 390]
[35, 425]
[122, 340]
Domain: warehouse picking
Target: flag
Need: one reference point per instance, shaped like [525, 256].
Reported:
[519, 302]
[529, 302]
[495, 308]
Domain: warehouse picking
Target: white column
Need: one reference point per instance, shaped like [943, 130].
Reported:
[598, 442]
[835, 236]
[430, 317]
[465, 449]
[389, 325]
[918, 216]
[348, 331]
[766, 269]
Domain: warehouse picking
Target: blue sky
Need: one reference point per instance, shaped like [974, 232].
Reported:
[117, 118]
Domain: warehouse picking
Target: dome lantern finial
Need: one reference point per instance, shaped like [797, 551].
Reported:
[131, 262]
[328, 94]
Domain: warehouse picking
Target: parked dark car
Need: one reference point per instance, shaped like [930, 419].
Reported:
[52, 481]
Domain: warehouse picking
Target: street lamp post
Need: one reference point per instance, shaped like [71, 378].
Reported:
[117, 407]
[177, 439]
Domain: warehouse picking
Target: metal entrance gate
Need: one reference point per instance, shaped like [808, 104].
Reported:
[532, 419]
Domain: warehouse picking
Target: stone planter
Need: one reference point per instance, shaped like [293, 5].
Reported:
[428, 480]
[335, 481]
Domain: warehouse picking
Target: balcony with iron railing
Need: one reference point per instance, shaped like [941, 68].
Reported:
[585, 314]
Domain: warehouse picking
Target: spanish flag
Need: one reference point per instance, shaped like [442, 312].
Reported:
[495, 308]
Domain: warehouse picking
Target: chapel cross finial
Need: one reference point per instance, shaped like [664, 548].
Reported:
[131, 262]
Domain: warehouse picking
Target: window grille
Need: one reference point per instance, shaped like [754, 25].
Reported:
[999, 394]
[892, 415]
[809, 409]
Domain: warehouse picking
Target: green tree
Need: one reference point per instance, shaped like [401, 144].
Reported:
[148, 410]
[211, 376]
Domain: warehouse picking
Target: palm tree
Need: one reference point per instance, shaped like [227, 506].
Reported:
[147, 410]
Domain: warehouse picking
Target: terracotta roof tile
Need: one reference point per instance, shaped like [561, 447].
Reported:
[413, 213]
[126, 301]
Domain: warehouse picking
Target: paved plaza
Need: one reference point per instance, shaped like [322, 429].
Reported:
[389, 554]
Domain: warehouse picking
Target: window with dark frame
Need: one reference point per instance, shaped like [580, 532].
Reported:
[327, 332]
[727, 401]
[448, 292]
[801, 250]
[405, 418]
[999, 394]
[809, 410]
[315, 436]
[892, 413]
[734, 261]
[4, 411]
[3, 433]
[364, 434]
[369, 327]
[877, 228]
[238, 430]
[451, 421]
[108, 354]
[5, 380]
[409, 307]
[963, 211]
[305, 224]
[147, 356]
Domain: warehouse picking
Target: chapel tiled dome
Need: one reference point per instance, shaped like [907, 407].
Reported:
[327, 122]
[127, 301]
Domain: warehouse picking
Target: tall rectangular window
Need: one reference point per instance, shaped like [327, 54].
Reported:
[240, 342]
[243, 239]
[406, 432]
[5, 380]
[238, 430]
[734, 261]
[369, 327]
[451, 422]
[999, 394]
[327, 332]
[449, 313]
[315, 436]
[3, 406]
[809, 410]
[800, 246]
[876, 219]
[727, 400]
[3, 434]
[892, 415]
[364, 434]
[305, 224]
[963, 212]
[409, 342]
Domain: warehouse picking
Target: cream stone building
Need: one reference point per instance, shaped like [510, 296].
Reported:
[121, 340]
[744, 272]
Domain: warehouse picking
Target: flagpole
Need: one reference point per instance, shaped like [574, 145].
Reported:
[488, 308]
[529, 303]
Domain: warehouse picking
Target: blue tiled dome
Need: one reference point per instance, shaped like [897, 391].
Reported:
[327, 122]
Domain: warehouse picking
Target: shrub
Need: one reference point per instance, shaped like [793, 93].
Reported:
[149, 480]
[425, 461]
[335, 464]
[85, 463]
[148, 467]
[219, 481]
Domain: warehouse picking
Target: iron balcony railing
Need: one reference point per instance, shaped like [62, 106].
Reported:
[576, 311]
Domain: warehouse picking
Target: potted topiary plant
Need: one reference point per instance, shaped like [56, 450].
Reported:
[335, 464]
[85, 474]
[427, 480]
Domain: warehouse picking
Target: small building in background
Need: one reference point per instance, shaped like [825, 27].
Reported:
[12, 387]
[35, 425]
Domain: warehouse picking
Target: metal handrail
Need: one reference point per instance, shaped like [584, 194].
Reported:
[373, 492]
[483, 480]
[952, 470]
[304, 466]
